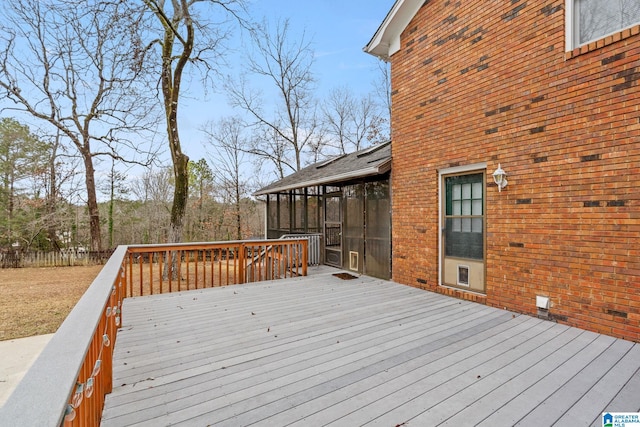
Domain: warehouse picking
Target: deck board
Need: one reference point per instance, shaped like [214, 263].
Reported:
[318, 350]
[525, 401]
[335, 405]
[564, 400]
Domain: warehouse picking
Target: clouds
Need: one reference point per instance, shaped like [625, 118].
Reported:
[323, 54]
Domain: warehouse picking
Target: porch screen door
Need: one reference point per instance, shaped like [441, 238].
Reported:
[378, 230]
[333, 229]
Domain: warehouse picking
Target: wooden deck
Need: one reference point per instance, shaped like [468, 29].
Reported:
[319, 350]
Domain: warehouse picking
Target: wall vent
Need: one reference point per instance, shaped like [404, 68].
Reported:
[463, 275]
[353, 260]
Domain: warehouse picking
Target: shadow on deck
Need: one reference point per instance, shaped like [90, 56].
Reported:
[319, 350]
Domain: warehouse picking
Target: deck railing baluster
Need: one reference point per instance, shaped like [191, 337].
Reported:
[196, 266]
[215, 257]
[187, 255]
[151, 271]
[168, 266]
[159, 256]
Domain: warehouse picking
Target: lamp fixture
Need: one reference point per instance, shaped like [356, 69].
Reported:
[500, 178]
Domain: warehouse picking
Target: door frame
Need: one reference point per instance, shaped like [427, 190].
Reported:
[333, 224]
[442, 173]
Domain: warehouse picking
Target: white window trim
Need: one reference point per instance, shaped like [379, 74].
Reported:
[479, 167]
[568, 25]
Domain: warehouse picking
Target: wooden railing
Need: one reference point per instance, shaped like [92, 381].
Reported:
[66, 385]
[157, 269]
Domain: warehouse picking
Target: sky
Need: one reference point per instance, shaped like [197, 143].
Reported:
[338, 31]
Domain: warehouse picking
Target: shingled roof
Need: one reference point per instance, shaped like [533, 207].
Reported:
[371, 161]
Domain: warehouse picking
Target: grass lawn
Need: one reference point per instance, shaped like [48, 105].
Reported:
[35, 301]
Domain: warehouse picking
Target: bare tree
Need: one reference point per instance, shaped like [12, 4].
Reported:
[177, 42]
[268, 145]
[49, 181]
[174, 60]
[153, 185]
[115, 187]
[229, 158]
[285, 64]
[352, 123]
[69, 64]
[201, 185]
[153, 190]
[52, 183]
[382, 91]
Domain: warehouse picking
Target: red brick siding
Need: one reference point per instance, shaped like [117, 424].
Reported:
[489, 81]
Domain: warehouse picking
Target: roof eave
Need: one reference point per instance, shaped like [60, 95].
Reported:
[380, 169]
[386, 41]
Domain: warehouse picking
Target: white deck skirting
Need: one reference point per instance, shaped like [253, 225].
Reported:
[319, 350]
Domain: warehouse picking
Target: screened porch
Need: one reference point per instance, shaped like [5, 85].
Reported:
[345, 202]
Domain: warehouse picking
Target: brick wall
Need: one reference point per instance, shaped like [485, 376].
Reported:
[489, 81]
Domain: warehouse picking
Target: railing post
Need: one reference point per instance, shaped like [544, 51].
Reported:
[305, 256]
[241, 262]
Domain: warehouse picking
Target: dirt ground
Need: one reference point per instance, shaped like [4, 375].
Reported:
[35, 301]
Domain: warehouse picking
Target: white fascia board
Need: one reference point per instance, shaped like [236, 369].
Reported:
[386, 41]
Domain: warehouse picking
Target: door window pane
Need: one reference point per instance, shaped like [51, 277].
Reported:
[466, 225]
[466, 191]
[456, 207]
[464, 216]
[477, 207]
[457, 192]
[477, 190]
[466, 207]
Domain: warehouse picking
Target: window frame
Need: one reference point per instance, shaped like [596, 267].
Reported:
[571, 38]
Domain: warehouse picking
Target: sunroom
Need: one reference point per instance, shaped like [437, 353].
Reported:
[343, 205]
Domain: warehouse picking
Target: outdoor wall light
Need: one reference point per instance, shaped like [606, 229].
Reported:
[500, 178]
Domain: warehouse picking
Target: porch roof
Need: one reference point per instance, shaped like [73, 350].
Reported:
[372, 161]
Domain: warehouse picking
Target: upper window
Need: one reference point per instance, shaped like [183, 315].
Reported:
[596, 19]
